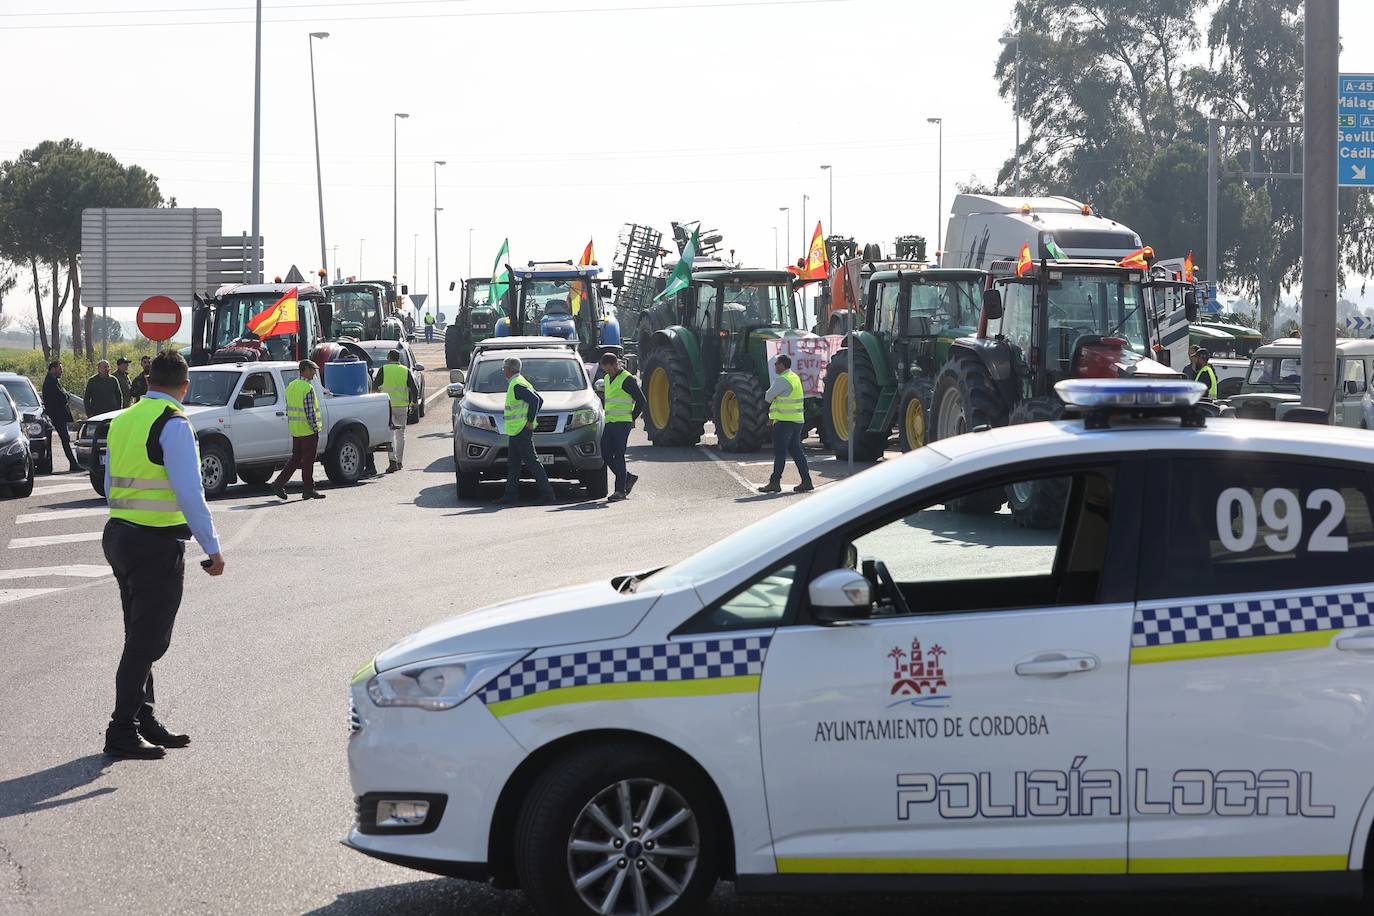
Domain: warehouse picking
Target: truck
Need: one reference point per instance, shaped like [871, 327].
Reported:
[984, 229]
[558, 299]
[477, 319]
[238, 412]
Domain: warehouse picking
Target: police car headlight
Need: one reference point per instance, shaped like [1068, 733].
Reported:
[587, 416]
[32, 428]
[440, 683]
[478, 420]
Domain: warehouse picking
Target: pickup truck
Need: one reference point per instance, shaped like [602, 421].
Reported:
[238, 411]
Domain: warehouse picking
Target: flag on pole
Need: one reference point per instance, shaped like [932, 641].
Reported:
[588, 256]
[1188, 269]
[1024, 264]
[817, 265]
[1138, 259]
[588, 260]
[500, 277]
[681, 277]
[1053, 248]
[282, 317]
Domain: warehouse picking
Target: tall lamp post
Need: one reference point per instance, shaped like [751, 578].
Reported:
[787, 235]
[775, 247]
[939, 177]
[395, 196]
[469, 251]
[319, 177]
[257, 150]
[337, 272]
[1016, 110]
[437, 208]
[360, 258]
[830, 219]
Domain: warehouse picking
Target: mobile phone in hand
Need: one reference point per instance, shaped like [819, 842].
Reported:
[206, 563]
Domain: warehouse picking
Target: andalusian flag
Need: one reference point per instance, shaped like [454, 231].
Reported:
[681, 277]
[1024, 264]
[1053, 248]
[500, 277]
[588, 260]
[1138, 259]
[817, 264]
[281, 318]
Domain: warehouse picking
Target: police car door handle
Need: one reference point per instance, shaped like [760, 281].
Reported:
[1364, 642]
[1056, 664]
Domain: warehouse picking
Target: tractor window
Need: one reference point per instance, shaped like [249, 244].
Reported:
[759, 304]
[1017, 320]
[886, 319]
[940, 305]
[706, 306]
[1104, 305]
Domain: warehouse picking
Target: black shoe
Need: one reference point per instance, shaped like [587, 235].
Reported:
[772, 487]
[392, 468]
[312, 494]
[615, 497]
[155, 732]
[505, 501]
[805, 486]
[125, 743]
[630, 481]
[279, 490]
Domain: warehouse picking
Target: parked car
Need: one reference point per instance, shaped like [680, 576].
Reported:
[377, 351]
[16, 459]
[567, 432]
[238, 411]
[37, 426]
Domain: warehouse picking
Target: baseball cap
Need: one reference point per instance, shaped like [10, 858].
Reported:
[1203, 352]
[308, 364]
[122, 361]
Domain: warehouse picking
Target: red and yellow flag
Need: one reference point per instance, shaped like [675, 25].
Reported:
[588, 260]
[1139, 259]
[1024, 264]
[588, 256]
[282, 317]
[1188, 268]
[817, 265]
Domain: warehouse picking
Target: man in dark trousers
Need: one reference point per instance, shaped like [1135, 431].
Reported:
[304, 422]
[153, 487]
[139, 387]
[624, 404]
[522, 407]
[58, 410]
[786, 410]
[102, 391]
[121, 375]
[398, 382]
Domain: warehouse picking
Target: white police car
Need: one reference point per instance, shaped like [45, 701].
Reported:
[1172, 684]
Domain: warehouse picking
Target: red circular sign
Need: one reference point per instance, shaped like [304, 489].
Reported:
[159, 318]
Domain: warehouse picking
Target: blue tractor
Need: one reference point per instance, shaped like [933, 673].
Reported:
[558, 299]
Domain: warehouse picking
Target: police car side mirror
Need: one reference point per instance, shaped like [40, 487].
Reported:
[992, 304]
[840, 596]
[1190, 305]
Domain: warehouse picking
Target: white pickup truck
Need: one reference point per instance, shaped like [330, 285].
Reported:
[238, 411]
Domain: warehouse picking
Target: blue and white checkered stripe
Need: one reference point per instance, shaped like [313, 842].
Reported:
[1190, 623]
[676, 661]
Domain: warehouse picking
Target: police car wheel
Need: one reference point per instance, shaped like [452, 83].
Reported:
[618, 828]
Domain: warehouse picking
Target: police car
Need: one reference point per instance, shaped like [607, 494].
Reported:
[892, 686]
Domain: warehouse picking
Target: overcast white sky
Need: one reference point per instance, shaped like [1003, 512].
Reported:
[559, 119]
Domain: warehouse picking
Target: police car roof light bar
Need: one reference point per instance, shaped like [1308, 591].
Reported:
[1097, 401]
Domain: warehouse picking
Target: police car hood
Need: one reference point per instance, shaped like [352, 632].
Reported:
[582, 613]
[553, 400]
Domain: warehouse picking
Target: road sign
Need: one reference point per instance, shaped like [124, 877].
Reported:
[159, 318]
[1355, 130]
[1358, 323]
[418, 300]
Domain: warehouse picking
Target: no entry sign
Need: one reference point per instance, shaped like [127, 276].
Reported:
[159, 318]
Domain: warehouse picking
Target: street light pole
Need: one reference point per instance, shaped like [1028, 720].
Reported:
[787, 236]
[319, 176]
[437, 208]
[831, 218]
[257, 149]
[396, 119]
[775, 247]
[360, 258]
[1320, 213]
[470, 251]
[336, 261]
[939, 177]
[1016, 109]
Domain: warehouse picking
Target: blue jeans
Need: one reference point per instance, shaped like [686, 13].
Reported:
[787, 441]
[429, 333]
[520, 454]
[613, 440]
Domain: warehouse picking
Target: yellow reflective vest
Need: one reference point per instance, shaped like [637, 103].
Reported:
[395, 379]
[788, 408]
[296, 417]
[619, 405]
[517, 411]
[1208, 376]
[140, 491]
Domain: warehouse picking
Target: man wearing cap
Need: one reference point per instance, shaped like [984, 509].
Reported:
[303, 419]
[1205, 373]
[121, 375]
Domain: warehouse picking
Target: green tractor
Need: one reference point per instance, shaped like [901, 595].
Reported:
[911, 318]
[476, 321]
[703, 355]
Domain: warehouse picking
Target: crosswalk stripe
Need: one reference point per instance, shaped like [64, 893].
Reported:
[65, 488]
[58, 515]
[49, 539]
[14, 594]
[75, 570]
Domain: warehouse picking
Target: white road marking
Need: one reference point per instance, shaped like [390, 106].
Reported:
[15, 594]
[66, 488]
[59, 515]
[769, 461]
[50, 539]
[436, 395]
[76, 570]
[725, 466]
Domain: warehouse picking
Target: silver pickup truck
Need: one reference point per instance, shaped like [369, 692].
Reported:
[238, 411]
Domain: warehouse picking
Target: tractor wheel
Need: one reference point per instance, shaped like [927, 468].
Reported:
[740, 413]
[913, 414]
[964, 400]
[1038, 503]
[667, 384]
[868, 446]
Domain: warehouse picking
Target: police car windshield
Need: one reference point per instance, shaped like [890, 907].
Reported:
[210, 389]
[21, 391]
[544, 373]
[1275, 372]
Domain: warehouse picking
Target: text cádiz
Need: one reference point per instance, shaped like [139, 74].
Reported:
[930, 727]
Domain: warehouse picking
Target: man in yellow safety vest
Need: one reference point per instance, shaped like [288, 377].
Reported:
[396, 381]
[522, 409]
[153, 487]
[304, 422]
[786, 401]
[624, 405]
[429, 327]
[1205, 373]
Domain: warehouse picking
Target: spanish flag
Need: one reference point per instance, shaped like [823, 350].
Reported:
[1138, 259]
[588, 260]
[1188, 268]
[1024, 264]
[817, 265]
[280, 318]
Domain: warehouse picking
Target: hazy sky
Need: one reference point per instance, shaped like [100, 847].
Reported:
[560, 120]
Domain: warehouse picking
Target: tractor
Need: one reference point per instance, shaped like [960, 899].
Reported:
[912, 317]
[704, 355]
[361, 312]
[219, 326]
[477, 318]
[1063, 319]
[557, 299]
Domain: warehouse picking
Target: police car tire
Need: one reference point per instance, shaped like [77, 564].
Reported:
[981, 407]
[753, 412]
[922, 389]
[569, 783]
[681, 428]
[1038, 503]
[868, 446]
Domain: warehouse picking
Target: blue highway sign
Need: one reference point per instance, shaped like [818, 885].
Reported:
[1355, 126]
[1358, 323]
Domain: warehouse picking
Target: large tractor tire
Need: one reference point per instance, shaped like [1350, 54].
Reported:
[913, 414]
[740, 413]
[1038, 503]
[964, 400]
[667, 384]
[868, 446]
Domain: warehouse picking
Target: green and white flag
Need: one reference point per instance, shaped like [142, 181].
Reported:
[681, 277]
[500, 276]
[1055, 251]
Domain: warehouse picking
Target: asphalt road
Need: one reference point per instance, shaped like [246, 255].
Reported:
[249, 818]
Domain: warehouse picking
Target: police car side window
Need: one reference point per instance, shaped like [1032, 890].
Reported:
[1234, 525]
[760, 604]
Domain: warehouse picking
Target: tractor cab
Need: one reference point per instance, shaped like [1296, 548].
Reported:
[478, 317]
[737, 311]
[917, 313]
[219, 325]
[557, 299]
[361, 313]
